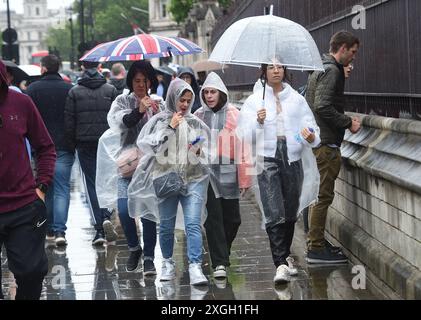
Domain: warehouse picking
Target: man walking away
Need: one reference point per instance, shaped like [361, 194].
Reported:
[85, 119]
[49, 95]
[23, 215]
[325, 95]
[118, 77]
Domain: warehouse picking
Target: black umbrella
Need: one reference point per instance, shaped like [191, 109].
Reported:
[18, 74]
[165, 70]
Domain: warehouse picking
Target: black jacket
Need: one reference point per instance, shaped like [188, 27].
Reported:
[325, 96]
[49, 95]
[86, 110]
[119, 84]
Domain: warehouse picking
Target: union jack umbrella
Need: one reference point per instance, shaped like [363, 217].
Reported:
[139, 47]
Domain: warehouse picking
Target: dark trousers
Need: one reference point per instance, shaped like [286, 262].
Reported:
[1, 286]
[280, 188]
[87, 160]
[130, 231]
[280, 238]
[221, 227]
[23, 234]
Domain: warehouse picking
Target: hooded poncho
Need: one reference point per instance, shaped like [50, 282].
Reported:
[164, 150]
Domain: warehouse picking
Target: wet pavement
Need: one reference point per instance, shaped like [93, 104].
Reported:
[81, 271]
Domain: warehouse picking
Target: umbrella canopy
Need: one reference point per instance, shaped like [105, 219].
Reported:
[165, 70]
[31, 70]
[206, 65]
[259, 40]
[139, 47]
[18, 74]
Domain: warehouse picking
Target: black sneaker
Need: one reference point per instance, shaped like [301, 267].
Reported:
[332, 248]
[99, 238]
[133, 260]
[149, 268]
[325, 256]
[60, 239]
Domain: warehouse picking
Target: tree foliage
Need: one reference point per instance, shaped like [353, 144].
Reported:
[180, 8]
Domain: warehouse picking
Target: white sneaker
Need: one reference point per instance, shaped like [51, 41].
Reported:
[220, 272]
[293, 271]
[196, 274]
[198, 293]
[220, 283]
[283, 293]
[168, 270]
[110, 233]
[282, 274]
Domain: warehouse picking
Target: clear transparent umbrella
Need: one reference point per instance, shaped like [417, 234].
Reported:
[261, 39]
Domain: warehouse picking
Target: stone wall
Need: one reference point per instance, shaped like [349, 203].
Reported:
[376, 214]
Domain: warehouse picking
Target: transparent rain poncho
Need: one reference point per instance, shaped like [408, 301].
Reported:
[114, 141]
[249, 130]
[228, 169]
[167, 153]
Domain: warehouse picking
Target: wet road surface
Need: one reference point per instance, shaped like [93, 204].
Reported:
[81, 271]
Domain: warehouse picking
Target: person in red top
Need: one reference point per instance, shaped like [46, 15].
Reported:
[22, 208]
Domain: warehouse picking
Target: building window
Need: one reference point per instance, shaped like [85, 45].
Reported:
[29, 35]
[39, 35]
[37, 11]
[164, 5]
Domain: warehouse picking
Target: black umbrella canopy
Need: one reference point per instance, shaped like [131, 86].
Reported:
[165, 70]
[18, 74]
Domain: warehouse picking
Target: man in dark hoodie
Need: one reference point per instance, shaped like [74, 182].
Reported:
[118, 77]
[325, 96]
[49, 95]
[23, 214]
[187, 74]
[85, 119]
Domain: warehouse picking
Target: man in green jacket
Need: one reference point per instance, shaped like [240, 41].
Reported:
[325, 95]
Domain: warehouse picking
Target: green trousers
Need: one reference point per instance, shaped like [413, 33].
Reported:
[329, 165]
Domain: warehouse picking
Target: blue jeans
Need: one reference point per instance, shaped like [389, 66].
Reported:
[192, 209]
[58, 194]
[130, 231]
[87, 160]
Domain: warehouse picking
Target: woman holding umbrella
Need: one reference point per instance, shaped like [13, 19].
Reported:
[117, 148]
[288, 131]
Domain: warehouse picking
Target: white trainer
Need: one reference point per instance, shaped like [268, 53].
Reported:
[293, 271]
[110, 233]
[196, 274]
[220, 272]
[282, 274]
[168, 270]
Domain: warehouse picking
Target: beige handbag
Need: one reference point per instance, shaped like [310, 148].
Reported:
[127, 162]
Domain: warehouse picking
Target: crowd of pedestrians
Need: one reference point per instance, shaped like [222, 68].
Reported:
[158, 152]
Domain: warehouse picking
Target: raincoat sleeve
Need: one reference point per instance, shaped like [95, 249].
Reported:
[150, 141]
[247, 121]
[106, 171]
[308, 121]
[241, 150]
[123, 105]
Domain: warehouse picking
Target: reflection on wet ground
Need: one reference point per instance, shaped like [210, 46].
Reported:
[83, 272]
